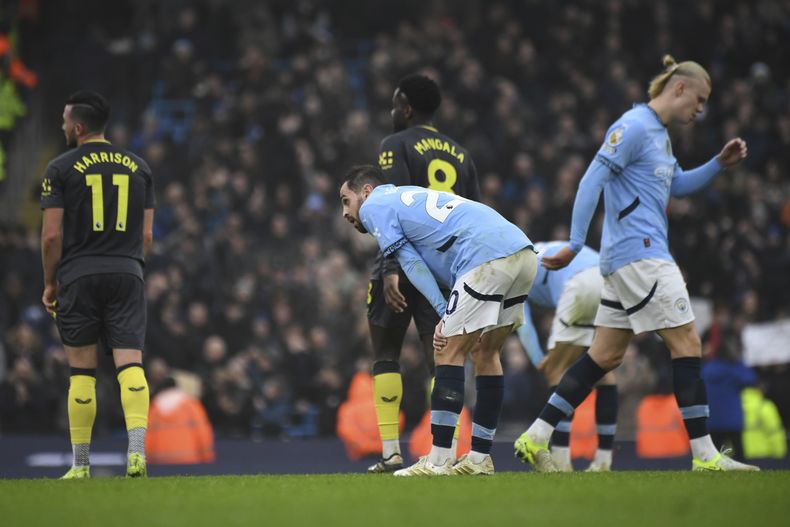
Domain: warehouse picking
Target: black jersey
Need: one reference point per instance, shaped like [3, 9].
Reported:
[103, 191]
[422, 156]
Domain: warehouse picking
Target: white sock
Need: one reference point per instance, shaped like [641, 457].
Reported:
[603, 457]
[81, 455]
[540, 431]
[454, 448]
[561, 454]
[703, 448]
[477, 457]
[390, 447]
[439, 455]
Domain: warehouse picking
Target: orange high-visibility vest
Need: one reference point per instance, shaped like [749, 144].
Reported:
[660, 431]
[584, 433]
[179, 431]
[357, 426]
[422, 439]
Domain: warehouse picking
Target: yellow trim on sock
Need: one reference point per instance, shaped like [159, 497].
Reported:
[134, 397]
[387, 395]
[81, 408]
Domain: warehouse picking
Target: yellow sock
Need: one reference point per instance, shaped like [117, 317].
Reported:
[388, 391]
[458, 424]
[82, 407]
[134, 396]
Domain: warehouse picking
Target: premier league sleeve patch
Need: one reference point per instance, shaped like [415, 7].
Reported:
[613, 139]
[615, 136]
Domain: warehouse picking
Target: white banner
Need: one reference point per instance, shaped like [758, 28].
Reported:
[766, 343]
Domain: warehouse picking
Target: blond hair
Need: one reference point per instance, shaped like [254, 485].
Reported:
[689, 69]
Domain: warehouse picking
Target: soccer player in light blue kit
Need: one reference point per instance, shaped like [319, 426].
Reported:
[490, 265]
[643, 287]
[574, 293]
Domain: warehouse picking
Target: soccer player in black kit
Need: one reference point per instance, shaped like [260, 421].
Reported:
[98, 203]
[416, 154]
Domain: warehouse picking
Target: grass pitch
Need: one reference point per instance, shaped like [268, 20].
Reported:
[516, 499]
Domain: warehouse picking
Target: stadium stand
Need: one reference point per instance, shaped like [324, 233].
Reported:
[247, 112]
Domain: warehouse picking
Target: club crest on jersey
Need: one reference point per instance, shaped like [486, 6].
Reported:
[681, 305]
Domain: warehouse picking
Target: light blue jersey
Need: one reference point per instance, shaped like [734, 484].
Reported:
[637, 171]
[547, 288]
[437, 236]
[548, 285]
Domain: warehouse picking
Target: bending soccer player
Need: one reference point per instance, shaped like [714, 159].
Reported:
[490, 264]
[98, 221]
[574, 292]
[416, 154]
[643, 287]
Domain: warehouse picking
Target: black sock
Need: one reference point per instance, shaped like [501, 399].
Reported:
[562, 434]
[490, 392]
[574, 387]
[690, 395]
[447, 401]
[606, 415]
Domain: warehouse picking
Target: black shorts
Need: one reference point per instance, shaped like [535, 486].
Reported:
[106, 307]
[380, 314]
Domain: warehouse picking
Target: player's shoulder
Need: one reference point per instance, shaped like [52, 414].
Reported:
[396, 139]
[636, 119]
[139, 161]
[64, 161]
[628, 128]
[381, 195]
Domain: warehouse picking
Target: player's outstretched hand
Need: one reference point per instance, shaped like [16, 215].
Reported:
[439, 340]
[392, 295]
[733, 153]
[559, 260]
[49, 298]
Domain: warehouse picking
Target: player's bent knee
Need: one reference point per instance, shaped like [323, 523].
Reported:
[607, 359]
[122, 357]
[683, 341]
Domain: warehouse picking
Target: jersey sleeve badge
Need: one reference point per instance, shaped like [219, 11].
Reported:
[613, 139]
[385, 160]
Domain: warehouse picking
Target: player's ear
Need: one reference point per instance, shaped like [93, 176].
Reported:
[680, 87]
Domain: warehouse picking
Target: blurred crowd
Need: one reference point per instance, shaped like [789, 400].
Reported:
[249, 112]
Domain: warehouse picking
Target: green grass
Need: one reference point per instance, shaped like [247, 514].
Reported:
[517, 499]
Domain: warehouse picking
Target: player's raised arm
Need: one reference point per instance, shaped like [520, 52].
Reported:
[690, 181]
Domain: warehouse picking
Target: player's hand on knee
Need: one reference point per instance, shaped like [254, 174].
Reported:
[392, 295]
[439, 340]
[559, 260]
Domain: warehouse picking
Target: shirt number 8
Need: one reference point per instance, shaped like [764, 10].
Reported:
[450, 176]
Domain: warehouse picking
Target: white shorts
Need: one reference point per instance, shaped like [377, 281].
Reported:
[645, 295]
[574, 316]
[491, 295]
